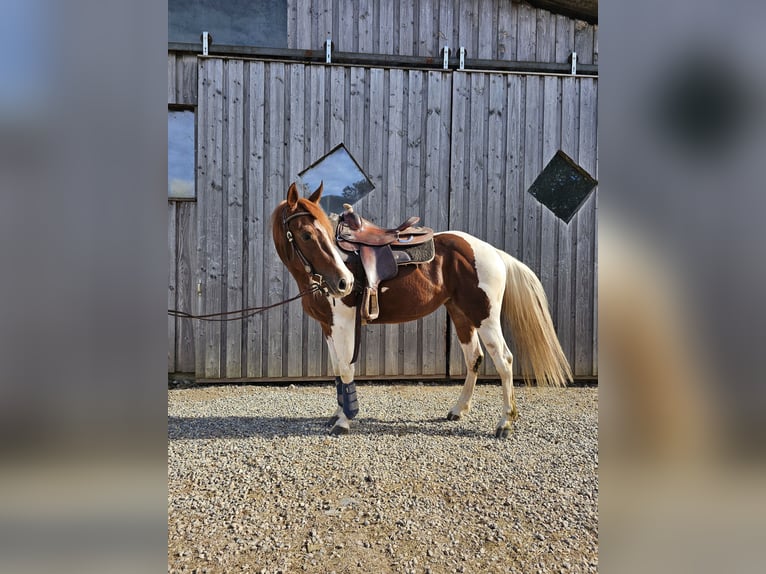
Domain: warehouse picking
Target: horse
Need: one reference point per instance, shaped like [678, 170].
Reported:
[477, 283]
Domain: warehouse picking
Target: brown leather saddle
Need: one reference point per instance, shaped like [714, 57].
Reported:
[380, 250]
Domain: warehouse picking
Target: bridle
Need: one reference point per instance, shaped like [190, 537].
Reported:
[315, 279]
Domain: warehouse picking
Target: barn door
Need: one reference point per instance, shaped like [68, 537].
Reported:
[460, 149]
[259, 124]
[505, 129]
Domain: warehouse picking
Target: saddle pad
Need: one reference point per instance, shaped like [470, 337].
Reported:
[423, 253]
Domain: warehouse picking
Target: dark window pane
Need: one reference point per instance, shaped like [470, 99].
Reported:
[181, 154]
[230, 22]
[563, 186]
[344, 181]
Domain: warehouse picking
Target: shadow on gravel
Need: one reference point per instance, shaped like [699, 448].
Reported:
[185, 428]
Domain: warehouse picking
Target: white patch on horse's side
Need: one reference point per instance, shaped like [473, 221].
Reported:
[383, 289]
[490, 269]
[335, 254]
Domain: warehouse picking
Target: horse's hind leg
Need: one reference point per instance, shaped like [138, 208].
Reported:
[469, 342]
[492, 336]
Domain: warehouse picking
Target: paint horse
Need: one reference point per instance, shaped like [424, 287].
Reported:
[477, 283]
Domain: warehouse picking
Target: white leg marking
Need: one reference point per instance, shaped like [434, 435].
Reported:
[340, 345]
[473, 356]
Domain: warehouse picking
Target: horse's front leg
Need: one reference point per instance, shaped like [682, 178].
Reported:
[340, 344]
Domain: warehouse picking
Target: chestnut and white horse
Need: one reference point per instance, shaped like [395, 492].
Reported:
[477, 283]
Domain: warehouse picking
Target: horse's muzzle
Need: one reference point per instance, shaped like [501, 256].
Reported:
[341, 287]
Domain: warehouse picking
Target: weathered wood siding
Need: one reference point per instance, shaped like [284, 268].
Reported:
[258, 125]
[460, 149]
[506, 128]
[488, 29]
[182, 230]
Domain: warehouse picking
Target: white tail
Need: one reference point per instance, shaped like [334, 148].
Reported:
[525, 307]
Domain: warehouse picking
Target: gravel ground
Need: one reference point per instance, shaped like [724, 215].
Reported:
[255, 484]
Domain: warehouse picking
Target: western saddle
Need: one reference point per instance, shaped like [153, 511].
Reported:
[380, 250]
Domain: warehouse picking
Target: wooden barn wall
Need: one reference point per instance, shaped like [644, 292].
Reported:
[488, 29]
[457, 149]
[506, 128]
[182, 229]
[259, 124]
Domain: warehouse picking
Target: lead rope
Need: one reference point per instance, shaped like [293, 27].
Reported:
[245, 313]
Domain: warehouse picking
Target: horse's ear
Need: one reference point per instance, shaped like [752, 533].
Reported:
[317, 193]
[292, 195]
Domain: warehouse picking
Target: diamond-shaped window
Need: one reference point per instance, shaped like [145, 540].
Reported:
[563, 186]
[344, 181]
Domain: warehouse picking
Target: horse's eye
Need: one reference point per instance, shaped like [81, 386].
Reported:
[306, 236]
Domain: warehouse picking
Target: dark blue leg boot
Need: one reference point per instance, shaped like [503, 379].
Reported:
[347, 398]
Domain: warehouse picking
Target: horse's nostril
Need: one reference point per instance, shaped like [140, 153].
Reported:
[342, 284]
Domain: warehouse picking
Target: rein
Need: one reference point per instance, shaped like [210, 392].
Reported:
[245, 313]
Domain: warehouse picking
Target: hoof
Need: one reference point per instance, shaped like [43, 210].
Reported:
[502, 433]
[338, 431]
[452, 417]
[333, 419]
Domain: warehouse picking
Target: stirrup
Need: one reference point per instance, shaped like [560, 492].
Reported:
[370, 309]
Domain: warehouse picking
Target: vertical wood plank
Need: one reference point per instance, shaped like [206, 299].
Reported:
[202, 184]
[406, 27]
[337, 105]
[564, 38]
[526, 41]
[292, 24]
[514, 201]
[477, 175]
[396, 90]
[304, 24]
[467, 24]
[171, 79]
[532, 167]
[447, 33]
[234, 216]
[186, 79]
[507, 26]
[583, 41]
[366, 26]
[486, 31]
[258, 226]
[586, 235]
[386, 27]
[316, 351]
[293, 331]
[374, 339]
[172, 258]
[212, 198]
[436, 188]
[595, 44]
[546, 36]
[549, 222]
[570, 128]
[185, 253]
[425, 37]
[413, 331]
[496, 161]
[348, 38]
[458, 216]
[516, 86]
[276, 277]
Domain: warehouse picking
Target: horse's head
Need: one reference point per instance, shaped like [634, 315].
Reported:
[303, 236]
